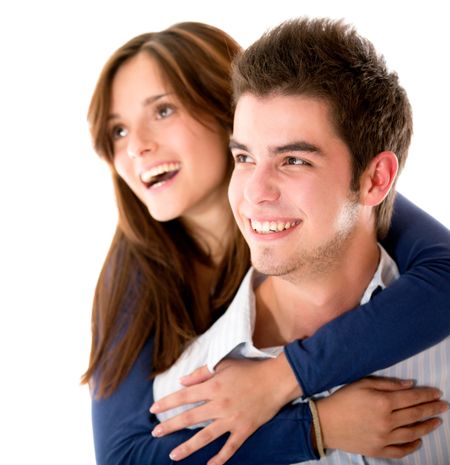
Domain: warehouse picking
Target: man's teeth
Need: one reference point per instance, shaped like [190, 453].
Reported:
[267, 227]
[158, 170]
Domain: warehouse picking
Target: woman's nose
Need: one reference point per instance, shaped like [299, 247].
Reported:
[140, 142]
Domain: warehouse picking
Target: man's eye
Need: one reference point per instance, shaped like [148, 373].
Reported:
[118, 132]
[163, 111]
[240, 158]
[296, 161]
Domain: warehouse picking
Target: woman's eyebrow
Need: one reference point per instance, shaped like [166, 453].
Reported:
[146, 102]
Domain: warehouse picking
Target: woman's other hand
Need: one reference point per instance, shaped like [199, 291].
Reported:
[379, 417]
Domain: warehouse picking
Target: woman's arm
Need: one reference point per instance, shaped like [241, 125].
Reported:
[122, 428]
[409, 316]
[122, 425]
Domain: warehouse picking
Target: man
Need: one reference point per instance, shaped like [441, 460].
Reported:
[321, 131]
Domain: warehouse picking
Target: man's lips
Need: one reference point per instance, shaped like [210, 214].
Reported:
[272, 226]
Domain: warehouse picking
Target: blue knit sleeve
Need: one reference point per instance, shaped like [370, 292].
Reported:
[406, 318]
[122, 428]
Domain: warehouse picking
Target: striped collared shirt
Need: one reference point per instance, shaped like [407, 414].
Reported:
[231, 336]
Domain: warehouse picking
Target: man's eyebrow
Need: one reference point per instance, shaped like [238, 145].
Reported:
[234, 144]
[300, 146]
[148, 101]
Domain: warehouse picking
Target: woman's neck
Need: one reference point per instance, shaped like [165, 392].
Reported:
[211, 226]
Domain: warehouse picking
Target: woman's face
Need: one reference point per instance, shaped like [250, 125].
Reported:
[174, 164]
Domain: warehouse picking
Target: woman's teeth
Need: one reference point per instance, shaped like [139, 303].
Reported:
[268, 227]
[157, 175]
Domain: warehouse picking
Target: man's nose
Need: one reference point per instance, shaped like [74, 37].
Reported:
[262, 186]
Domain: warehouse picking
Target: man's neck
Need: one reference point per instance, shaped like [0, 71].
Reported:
[289, 309]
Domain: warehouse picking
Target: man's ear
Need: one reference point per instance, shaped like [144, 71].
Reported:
[378, 178]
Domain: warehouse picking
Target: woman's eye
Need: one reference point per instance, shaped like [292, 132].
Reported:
[163, 111]
[118, 132]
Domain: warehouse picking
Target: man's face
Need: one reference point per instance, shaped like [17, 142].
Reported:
[290, 190]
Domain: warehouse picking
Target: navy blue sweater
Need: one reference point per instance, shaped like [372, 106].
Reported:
[406, 318]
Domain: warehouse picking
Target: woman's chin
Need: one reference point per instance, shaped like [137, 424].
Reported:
[163, 215]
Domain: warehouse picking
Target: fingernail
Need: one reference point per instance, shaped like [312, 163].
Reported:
[154, 408]
[437, 422]
[406, 382]
[176, 454]
[444, 407]
[158, 431]
[438, 394]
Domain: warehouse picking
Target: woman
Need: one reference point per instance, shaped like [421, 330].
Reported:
[160, 116]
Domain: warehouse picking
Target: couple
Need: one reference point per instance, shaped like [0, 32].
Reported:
[321, 129]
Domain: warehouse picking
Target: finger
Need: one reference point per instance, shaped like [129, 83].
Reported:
[199, 375]
[400, 451]
[228, 450]
[414, 432]
[188, 418]
[188, 395]
[199, 440]
[410, 415]
[414, 396]
[225, 363]
[387, 384]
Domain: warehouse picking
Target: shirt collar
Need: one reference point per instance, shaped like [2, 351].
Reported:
[232, 333]
[235, 327]
[385, 274]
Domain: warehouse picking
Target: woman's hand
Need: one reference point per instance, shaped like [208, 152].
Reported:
[239, 397]
[379, 417]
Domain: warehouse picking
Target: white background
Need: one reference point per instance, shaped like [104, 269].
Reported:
[56, 204]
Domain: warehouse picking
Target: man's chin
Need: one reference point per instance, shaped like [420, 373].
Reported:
[271, 268]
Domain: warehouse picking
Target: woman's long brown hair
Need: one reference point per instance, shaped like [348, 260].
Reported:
[147, 285]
